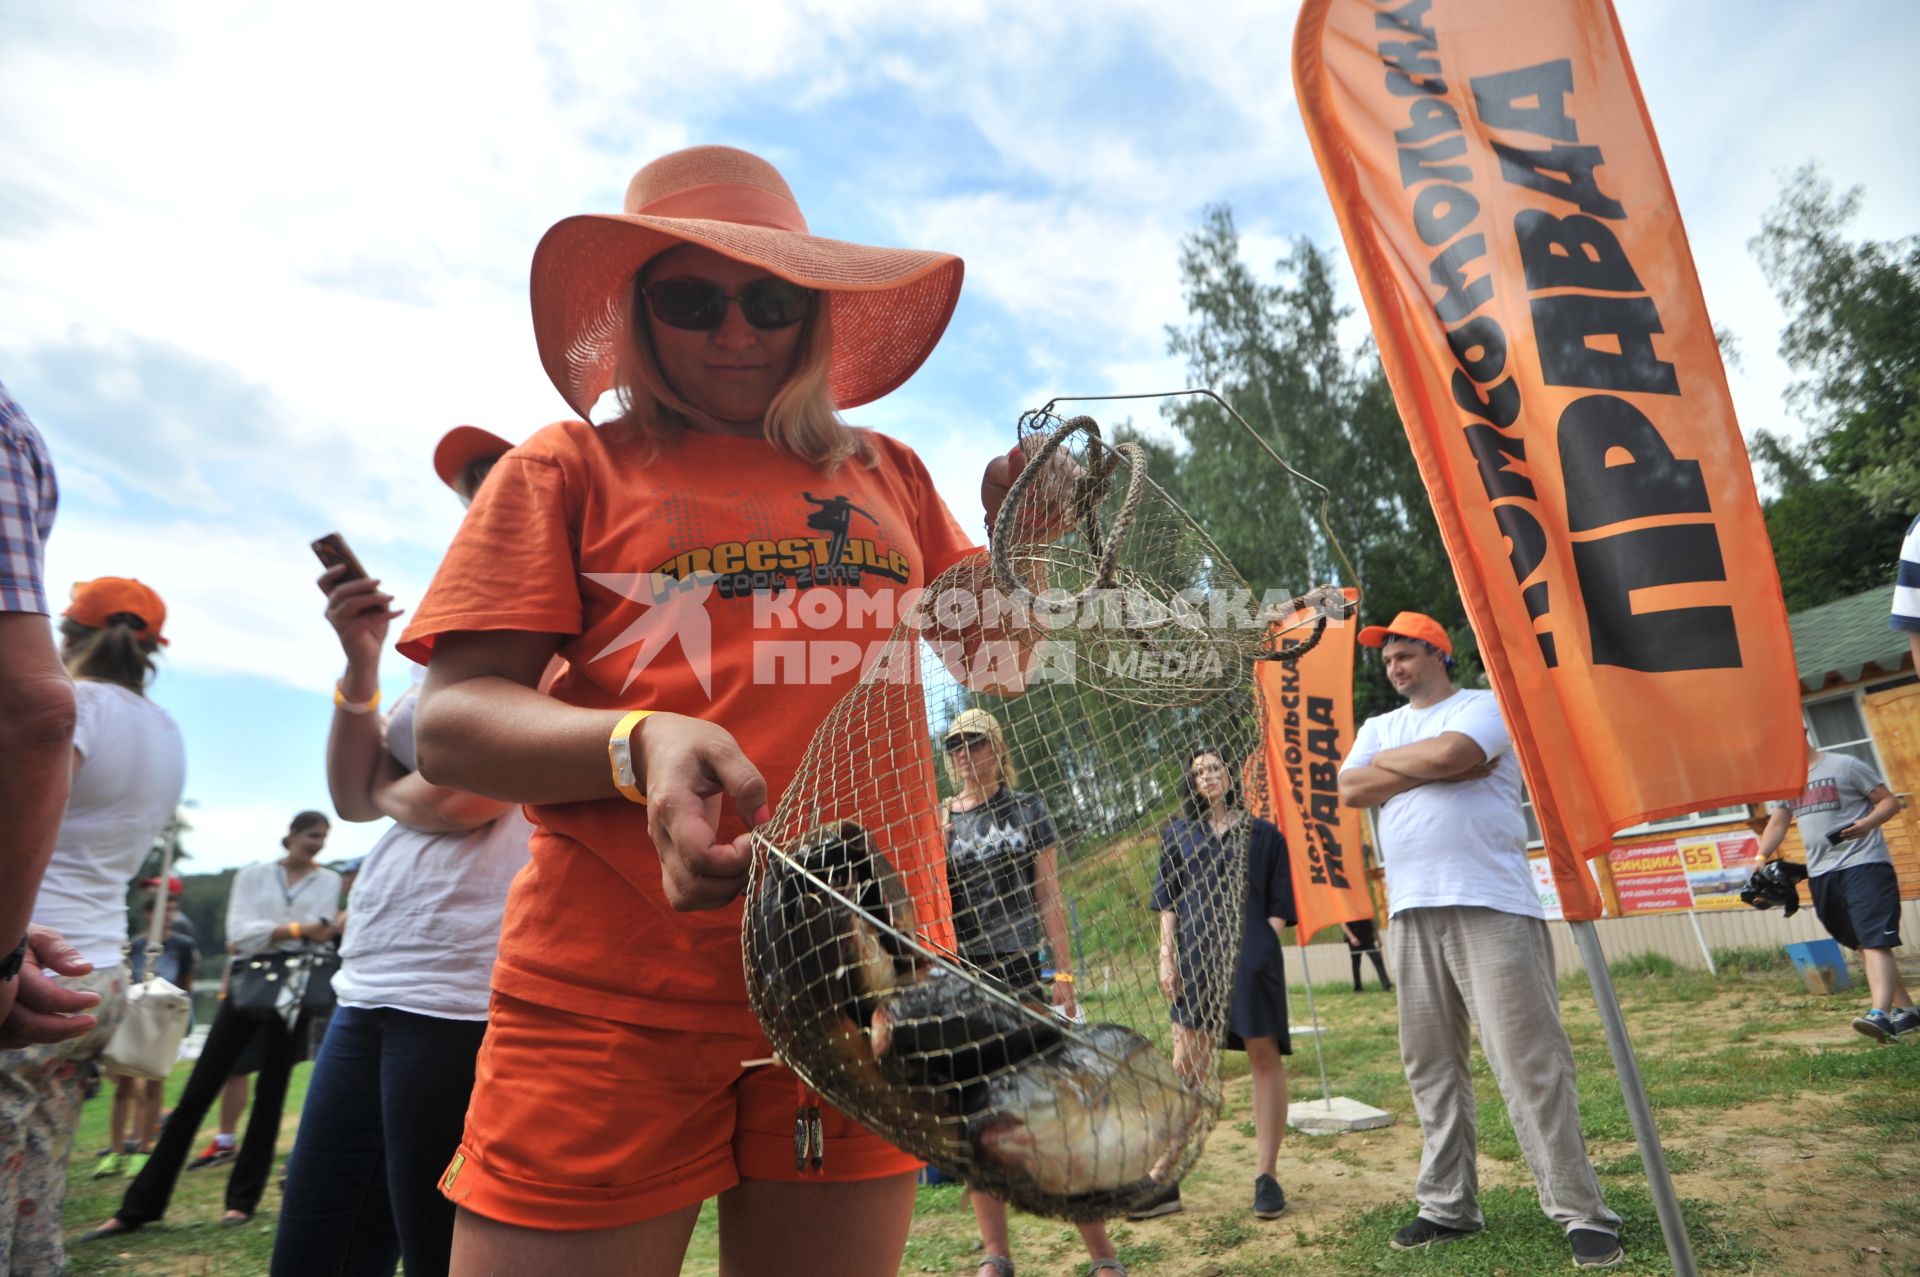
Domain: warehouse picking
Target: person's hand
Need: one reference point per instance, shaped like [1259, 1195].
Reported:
[1169, 976]
[325, 931]
[998, 481]
[359, 612]
[1063, 999]
[691, 765]
[35, 1009]
[1847, 831]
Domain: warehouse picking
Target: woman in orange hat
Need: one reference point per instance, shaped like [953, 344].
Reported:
[129, 770]
[623, 1079]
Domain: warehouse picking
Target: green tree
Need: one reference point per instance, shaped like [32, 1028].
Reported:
[1273, 350]
[1853, 335]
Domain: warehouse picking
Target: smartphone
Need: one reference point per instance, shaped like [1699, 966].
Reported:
[332, 551]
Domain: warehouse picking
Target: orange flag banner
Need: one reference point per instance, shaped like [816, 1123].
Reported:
[1508, 213]
[1309, 707]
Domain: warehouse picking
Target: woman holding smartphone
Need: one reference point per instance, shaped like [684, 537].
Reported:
[389, 1091]
[622, 1081]
[286, 905]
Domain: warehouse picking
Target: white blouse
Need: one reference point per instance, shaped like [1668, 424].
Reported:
[262, 900]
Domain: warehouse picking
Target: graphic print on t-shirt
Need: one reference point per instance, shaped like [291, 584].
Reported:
[1821, 795]
[828, 555]
[990, 854]
[676, 591]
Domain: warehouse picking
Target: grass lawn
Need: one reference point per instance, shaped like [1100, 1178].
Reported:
[1795, 1144]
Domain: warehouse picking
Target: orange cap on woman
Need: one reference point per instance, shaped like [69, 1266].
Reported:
[96, 602]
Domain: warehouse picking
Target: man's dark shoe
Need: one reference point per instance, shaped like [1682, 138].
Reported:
[1595, 1249]
[1424, 1232]
[1269, 1202]
[1165, 1202]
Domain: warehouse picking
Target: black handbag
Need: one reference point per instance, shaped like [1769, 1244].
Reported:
[283, 984]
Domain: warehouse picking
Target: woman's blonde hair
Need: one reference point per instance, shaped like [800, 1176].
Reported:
[118, 652]
[977, 722]
[802, 419]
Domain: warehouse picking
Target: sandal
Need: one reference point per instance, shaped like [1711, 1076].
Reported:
[1000, 1264]
[1111, 1261]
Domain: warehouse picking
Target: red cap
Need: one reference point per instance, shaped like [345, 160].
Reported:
[95, 601]
[174, 885]
[1410, 625]
[460, 447]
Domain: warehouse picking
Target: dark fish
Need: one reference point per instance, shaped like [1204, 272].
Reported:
[825, 956]
[1094, 1123]
[946, 1036]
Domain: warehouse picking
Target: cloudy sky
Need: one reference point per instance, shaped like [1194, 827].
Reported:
[256, 258]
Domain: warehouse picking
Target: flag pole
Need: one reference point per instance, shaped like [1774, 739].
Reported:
[1659, 1183]
[1700, 934]
[1313, 1015]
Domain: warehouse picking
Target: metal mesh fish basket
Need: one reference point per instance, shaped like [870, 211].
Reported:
[1007, 794]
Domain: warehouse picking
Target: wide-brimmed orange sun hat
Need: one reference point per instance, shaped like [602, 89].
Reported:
[97, 602]
[888, 305]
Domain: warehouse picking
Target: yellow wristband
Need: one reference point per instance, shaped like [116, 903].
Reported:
[620, 755]
[340, 700]
[1063, 977]
[296, 930]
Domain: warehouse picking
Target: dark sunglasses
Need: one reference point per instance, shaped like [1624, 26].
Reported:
[701, 305]
[957, 743]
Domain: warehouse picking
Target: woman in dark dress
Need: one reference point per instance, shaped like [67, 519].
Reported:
[1191, 893]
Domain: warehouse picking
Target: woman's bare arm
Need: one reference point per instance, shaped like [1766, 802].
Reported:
[420, 804]
[1053, 919]
[484, 727]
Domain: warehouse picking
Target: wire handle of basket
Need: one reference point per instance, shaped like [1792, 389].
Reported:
[1090, 489]
[1326, 494]
[1316, 607]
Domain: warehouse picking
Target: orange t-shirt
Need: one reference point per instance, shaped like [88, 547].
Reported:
[661, 572]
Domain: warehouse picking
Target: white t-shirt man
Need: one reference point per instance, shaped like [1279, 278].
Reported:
[132, 768]
[1453, 842]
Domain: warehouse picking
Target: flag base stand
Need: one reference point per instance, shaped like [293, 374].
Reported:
[1332, 1116]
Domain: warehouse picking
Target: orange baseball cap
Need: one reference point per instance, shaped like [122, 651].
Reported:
[1412, 625]
[460, 447]
[97, 601]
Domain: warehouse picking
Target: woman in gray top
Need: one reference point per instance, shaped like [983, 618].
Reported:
[1003, 877]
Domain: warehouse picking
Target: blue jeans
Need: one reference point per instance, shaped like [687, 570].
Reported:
[385, 1110]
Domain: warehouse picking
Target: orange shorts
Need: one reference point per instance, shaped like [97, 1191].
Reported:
[578, 1122]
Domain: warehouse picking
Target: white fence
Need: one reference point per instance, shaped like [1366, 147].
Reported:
[1670, 934]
